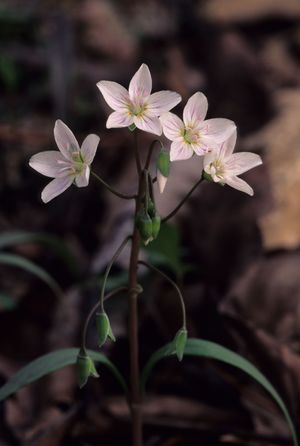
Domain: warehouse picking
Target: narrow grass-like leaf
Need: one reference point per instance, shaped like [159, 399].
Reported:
[51, 362]
[12, 238]
[20, 262]
[207, 349]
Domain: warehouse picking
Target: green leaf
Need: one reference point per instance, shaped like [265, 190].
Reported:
[20, 262]
[51, 362]
[12, 238]
[207, 349]
[7, 303]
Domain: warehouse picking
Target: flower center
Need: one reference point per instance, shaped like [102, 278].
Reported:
[137, 109]
[191, 136]
[77, 163]
[217, 170]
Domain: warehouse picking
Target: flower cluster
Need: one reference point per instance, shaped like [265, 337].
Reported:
[137, 107]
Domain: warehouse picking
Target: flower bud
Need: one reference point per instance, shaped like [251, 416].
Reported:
[144, 224]
[85, 368]
[156, 220]
[151, 208]
[180, 342]
[103, 329]
[163, 164]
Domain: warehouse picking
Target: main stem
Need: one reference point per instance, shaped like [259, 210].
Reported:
[135, 393]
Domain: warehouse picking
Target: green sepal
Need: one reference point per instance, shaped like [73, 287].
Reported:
[103, 329]
[132, 127]
[156, 220]
[207, 177]
[144, 225]
[163, 163]
[85, 368]
[151, 208]
[180, 342]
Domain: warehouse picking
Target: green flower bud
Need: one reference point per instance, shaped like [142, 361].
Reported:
[179, 343]
[103, 329]
[163, 163]
[144, 224]
[151, 208]
[163, 169]
[156, 220]
[85, 368]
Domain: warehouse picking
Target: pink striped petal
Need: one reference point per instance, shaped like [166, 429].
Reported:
[172, 126]
[89, 147]
[239, 184]
[162, 102]
[218, 129]
[195, 109]
[148, 124]
[55, 188]
[228, 146]
[243, 161]
[180, 151]
[119, 119]
[65, 139]
[82, 180]
[48, 163]
[114, 94]
[141, 83]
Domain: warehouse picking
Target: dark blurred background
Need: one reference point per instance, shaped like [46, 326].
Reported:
[237, 258]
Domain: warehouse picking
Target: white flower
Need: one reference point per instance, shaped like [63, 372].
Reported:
[223, 166]
[70, 164]
[137, 105]
[193, 134]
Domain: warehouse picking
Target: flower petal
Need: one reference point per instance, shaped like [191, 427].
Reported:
[114, 94]
[161, 181]
[119, 119]
[82, 180]
[217, 129]
[243, 161]
[65, 139]
[228, 146]
[162, 102]
[239, 184]
[55, 188]
[195, 109]
[172, 126]
[48, 163]
[180, 151]
[141, 84]
[89, 147]
[148, 124]
[208, 159]
[203, 147]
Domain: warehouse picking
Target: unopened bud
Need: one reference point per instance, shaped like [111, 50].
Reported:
[161, 181]
[103, 329]
[85, 368]
[144, 224]
[156, 220]
[180, 342]
[151, 208]
[163, 165]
